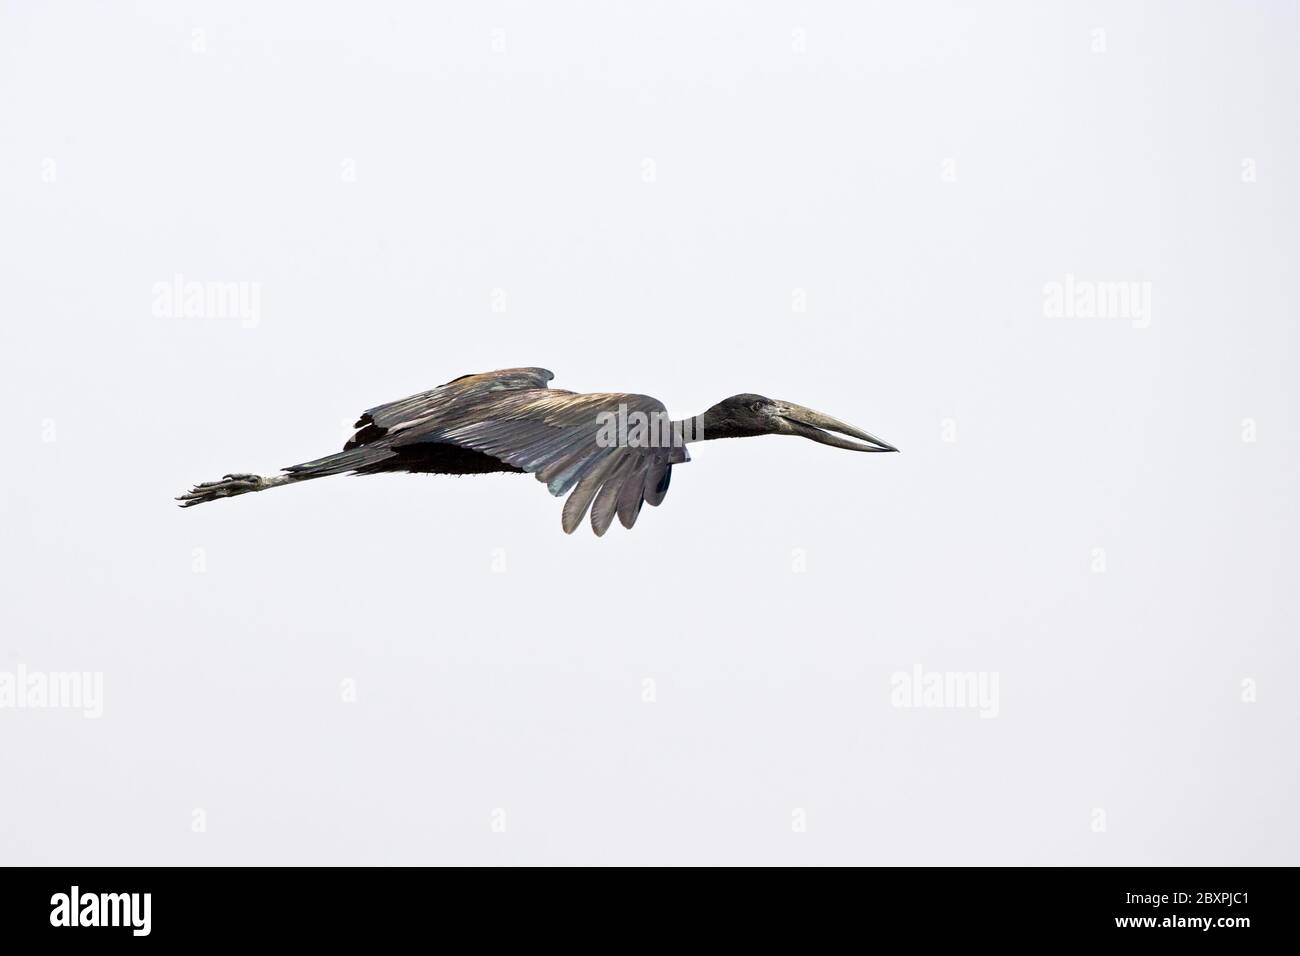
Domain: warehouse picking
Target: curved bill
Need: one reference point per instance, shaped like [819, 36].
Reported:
[818, 427]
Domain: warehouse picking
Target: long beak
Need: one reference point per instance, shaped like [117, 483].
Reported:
[818, 427]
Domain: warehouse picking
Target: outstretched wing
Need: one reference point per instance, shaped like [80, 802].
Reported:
[379, 428]
[560, 437]
[574, 443]
[458, 395]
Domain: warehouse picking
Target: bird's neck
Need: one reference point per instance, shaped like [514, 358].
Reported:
[713, 422]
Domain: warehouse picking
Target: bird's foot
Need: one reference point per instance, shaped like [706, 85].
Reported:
[228, 487]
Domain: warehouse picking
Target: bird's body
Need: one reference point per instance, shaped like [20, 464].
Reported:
[610, 451]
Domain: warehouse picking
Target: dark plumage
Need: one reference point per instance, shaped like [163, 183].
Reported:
[610, 452]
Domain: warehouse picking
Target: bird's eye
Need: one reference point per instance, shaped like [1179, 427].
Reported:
[755, 406]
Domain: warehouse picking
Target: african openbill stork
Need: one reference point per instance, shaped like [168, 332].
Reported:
[612, 450]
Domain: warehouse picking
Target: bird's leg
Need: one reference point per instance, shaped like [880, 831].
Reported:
[229, 486]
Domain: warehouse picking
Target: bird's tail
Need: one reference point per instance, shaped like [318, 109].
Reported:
[241, 484]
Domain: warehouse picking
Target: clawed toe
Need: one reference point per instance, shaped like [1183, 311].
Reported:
[230, 485]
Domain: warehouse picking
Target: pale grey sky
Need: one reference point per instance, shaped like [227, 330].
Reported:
[860, 208]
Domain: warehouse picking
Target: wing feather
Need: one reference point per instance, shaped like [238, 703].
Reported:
[575, 509]
[459, 394]
[602, 511]
[557, 436]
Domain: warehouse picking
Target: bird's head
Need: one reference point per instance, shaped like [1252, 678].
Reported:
[742, 416]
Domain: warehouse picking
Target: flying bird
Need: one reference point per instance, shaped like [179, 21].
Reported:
[609, 452]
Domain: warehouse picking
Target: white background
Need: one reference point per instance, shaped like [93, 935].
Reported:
[920, 170]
